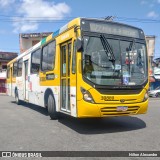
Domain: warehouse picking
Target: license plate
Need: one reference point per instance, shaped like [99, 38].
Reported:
[122, 108]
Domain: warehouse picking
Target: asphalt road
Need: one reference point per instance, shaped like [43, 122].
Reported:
[29, 128]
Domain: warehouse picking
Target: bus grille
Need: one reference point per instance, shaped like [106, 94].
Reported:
[112, 111]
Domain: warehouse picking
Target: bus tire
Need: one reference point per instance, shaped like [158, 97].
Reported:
[17, 98]
[52, 107]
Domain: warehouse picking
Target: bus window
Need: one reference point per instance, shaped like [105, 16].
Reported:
[74, 59]
[51, 55]
[20, 67]
[8, 72]
[69, 57]
[35, 61]
[44, 58]
[15, 69]
[64, 60]
[48, 57]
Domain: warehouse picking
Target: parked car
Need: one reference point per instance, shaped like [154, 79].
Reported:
[154, 92]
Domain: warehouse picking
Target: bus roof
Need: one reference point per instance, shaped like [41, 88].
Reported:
[103, 20]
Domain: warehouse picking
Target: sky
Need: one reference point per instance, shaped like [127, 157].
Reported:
[31, 16]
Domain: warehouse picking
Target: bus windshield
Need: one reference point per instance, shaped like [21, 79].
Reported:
[109, 61]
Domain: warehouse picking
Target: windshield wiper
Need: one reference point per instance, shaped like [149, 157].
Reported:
[131, 45]
[107, 48]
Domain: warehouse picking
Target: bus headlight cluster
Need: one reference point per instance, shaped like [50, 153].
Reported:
[86, 95]
[145, 96]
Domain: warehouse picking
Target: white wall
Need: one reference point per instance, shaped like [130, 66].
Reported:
[27, 43]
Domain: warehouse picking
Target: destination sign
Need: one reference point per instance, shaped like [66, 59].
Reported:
[111, 28]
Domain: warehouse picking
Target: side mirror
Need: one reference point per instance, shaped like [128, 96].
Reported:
[79, 44]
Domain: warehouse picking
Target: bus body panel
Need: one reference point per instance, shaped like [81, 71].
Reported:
[20, 87]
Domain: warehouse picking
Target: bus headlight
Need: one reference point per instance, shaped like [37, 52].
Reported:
[145, 96]
[87, 96]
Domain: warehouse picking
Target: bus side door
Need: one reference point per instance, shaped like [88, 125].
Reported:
[26, 92]
[68, 78]
[65, 76]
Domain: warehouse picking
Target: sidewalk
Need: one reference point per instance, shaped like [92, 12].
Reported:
[3, 94]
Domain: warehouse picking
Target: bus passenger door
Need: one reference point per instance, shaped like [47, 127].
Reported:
[65, 76]
[26, 80]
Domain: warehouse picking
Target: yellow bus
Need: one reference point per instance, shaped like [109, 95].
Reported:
[87, 68]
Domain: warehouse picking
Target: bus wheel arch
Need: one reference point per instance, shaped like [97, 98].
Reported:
[49, 102]
[46, 95]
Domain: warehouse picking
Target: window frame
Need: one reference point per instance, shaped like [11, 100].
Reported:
[40, 61]
[14, 74]
[8, 72]
[74, 56]
[42, 67]
[21, 59]
[54, 55]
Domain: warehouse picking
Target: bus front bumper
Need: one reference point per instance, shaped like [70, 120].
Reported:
[85, 109]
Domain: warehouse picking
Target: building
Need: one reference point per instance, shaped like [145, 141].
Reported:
[27, 40]
[151, 50]
[5, 57]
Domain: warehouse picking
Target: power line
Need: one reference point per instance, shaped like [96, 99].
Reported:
[56, 19]
[124, 18]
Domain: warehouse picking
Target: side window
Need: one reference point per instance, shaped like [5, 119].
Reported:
[20, 67]
[44, 58]
[35, 59]
[8, 72]
[69, 57]
[74, 59]
[48, 56]
[15, 69]
[51, 55]
[4, 67]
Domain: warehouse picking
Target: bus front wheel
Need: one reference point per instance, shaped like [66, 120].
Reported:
[52, 107]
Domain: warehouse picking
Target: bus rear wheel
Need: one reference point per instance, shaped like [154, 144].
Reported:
[52, 107]
[17, 97]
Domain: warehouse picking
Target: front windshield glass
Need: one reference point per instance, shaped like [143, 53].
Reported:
[128, 67]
